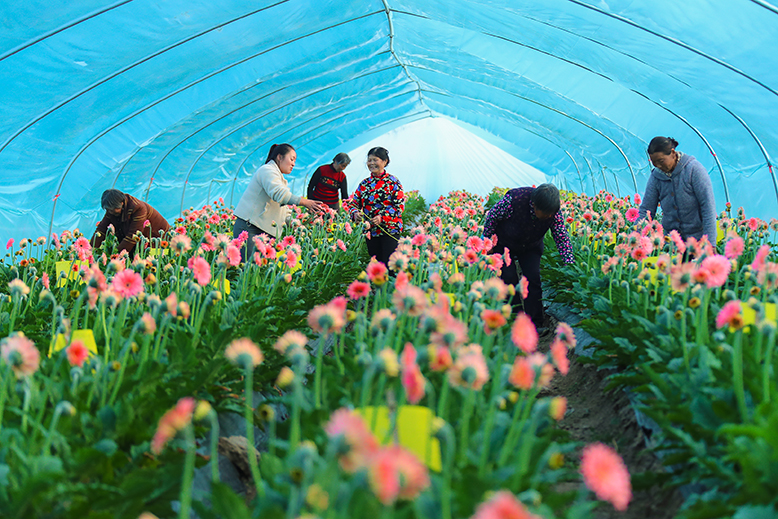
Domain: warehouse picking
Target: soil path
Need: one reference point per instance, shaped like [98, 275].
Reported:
[596, 415]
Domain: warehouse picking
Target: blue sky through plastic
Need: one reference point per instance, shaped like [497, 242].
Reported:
[178, 101]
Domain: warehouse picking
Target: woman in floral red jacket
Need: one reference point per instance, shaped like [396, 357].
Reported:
[380, 200]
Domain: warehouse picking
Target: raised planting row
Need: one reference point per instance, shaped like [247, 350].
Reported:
[690, 328]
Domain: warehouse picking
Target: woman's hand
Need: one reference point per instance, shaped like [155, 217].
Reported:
[376, 220]
[313, 205]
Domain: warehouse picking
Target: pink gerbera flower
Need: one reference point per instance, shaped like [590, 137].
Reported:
[291, 259]
[396, 473]
[565, 333]
[503, 505]
[377, 273]
[244, 352]
[559, 354]
[604, 472]
[730, 315]
[718, 268]
[77, 353]
[493, 320]
[524, 334]
[522, 373]
[761, 257]
[201, 270]
[523, 287]
[734, 247]
[233, 255]
[475, 243]
[413, 382]
[469, 369]
[127, 283]
[632, 214]
[362, 445]
[328, 318]
[172, 422]
[358, 289]
[20, 353]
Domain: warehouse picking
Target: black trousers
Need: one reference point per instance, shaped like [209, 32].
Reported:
[241, 225]
[382, 246]
[529, 262]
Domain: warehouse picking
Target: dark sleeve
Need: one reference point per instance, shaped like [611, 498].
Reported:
[344, 188]
[502, 210]
[561, 238]
[139, 216]
[102, 228]
[314, 182]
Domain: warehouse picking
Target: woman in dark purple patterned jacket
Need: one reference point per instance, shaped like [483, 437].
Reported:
[520, 220]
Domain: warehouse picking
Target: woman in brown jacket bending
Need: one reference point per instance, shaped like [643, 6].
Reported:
[128, 215]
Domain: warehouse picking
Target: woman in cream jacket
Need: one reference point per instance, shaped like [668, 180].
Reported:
[261, 209]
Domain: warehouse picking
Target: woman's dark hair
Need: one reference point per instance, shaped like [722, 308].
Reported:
[277, 150]
[379, 152]
[546, 198]
[342, 158]
[111, 199]
[664, 145]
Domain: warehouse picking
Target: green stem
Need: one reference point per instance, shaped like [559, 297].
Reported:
[737, 375]
[294, 435]
[52, 429]
[250, 432]
[520, 414]
[486, 440]
[524, 453]
[26, 405]
[766, 369]
[464, 427]
[14, 313]
[189, 465]
[318, 375]
[214, 445]
[443, 402]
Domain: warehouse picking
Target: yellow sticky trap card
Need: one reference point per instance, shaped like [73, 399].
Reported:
[85, 336]
[71, 268]
[156, 252]
[719, 232]
[414, 431]
[749, 315]
[217, 284]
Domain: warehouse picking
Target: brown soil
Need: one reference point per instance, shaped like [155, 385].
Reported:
[596, 415]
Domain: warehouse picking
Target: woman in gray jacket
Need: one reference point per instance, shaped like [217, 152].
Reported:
[683, 188]
[262, 208]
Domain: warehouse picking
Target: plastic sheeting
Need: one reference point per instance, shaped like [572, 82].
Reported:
[178, 101]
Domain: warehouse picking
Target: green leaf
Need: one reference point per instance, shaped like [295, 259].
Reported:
[106, 446]
[47, 464]
[5, 470]
[270, 466]
[108, 417]
[227, 504]
[756, 512]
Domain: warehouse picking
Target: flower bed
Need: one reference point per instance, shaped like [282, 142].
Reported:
[427, 405]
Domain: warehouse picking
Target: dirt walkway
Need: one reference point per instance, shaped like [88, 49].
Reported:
[596, 415]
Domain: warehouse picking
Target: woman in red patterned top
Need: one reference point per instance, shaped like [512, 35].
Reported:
[379, 199]
[328, 180]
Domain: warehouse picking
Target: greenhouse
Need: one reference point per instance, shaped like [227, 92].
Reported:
[388, 258]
